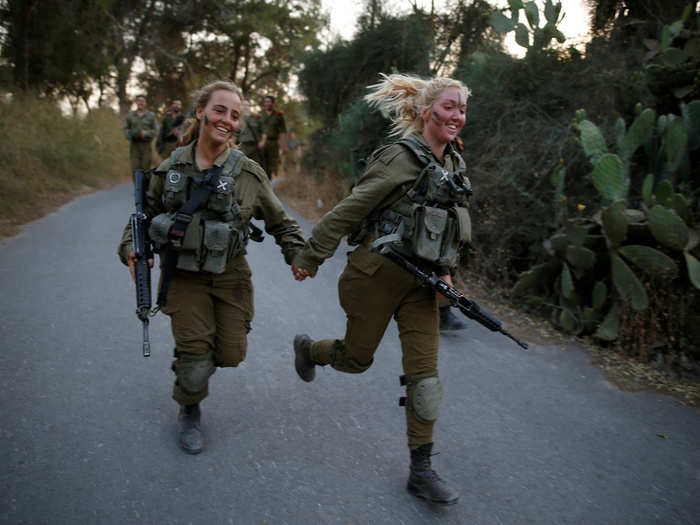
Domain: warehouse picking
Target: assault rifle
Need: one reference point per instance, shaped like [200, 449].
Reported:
[467, 307]
[144, 252]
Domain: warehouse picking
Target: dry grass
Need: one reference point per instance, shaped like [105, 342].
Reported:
[309, 195]
[47, 159]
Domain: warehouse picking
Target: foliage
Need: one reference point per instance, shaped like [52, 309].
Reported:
[532, 37]
[182, 43]
[48, 158]
[600, 269]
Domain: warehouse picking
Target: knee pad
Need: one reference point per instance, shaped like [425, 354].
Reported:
[423, 396]
[341, 362]
[193, 371]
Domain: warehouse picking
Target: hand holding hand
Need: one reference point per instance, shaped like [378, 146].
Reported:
[300, 273]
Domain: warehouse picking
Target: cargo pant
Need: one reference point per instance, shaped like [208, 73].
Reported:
[210, 318]
[140, 153]
[271, 156]
[372, 289]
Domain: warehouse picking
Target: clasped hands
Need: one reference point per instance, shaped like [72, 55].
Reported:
[300, 273]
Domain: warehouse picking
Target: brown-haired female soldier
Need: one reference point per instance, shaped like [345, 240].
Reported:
[412, 197]
[210, 295]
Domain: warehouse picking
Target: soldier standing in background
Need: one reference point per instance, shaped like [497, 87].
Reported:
[140, 129]
[274, 136]
[250, 136]
[169, 130]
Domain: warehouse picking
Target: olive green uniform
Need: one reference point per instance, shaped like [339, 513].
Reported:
[212, 313]
[273, 126]
[250, 137]
[140, 149]
[372, 289]
[167, 141]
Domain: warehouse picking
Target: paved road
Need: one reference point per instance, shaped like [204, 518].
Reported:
[87, 426]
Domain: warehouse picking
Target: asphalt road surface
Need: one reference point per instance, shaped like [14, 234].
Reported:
[88, 428]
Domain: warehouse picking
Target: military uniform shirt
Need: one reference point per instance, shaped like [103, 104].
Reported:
[136, 123]
[253, 193]
[386, 180]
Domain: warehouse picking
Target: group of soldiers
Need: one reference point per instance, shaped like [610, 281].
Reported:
[262, 139]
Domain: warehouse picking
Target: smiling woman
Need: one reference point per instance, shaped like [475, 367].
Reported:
[200, 201]
[413, 200]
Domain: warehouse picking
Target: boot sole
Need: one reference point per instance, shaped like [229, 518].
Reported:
[418, 493]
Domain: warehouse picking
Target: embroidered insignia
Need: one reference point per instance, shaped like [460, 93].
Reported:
[174, 177]
[222, 185]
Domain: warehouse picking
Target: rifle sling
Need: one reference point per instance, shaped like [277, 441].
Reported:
[177, 231]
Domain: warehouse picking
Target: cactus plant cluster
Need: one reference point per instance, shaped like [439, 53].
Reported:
[541, 36]
[600, 265]
[674, 58]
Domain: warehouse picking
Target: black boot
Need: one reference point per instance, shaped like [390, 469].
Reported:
[190, 434]
[302, 358]
[449, 321]
[423, 481]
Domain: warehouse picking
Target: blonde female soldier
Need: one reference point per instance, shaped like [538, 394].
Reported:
[412, 198]
[200, 201]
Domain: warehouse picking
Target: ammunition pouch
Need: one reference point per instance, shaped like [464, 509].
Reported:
[206, 246]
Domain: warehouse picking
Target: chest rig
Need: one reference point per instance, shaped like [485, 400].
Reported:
[431, 220]
[202, 226]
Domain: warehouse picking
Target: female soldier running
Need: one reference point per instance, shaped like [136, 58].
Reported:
[200, 201]
[412, 198]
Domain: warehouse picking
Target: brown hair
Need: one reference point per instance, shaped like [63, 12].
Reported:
[200, 99]
[404, 98]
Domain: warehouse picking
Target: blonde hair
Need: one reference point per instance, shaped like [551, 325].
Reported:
[200, 99]
[404, 98]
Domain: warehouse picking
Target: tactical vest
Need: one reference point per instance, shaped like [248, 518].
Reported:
[431, 220]
[216, 231]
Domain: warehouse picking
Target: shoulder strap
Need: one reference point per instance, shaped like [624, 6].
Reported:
[233, 164]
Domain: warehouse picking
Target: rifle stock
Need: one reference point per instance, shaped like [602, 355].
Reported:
[143, 251]
[468, 307]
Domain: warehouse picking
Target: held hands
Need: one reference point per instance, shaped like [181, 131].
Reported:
[131, 261]
[300, 273]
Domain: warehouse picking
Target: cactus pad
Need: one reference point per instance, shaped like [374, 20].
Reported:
[627, 284]
[649, 259]
[615, 224]
[592, 140]
[609, 178]
[693, 269]
[668, 228]
[610, 326]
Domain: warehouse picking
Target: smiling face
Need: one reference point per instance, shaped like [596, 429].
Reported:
[220, 118]
[140, 103]
[446, 117]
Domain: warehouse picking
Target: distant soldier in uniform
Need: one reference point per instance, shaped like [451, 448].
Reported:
[274, 136]
[250, 136]
[292, 161]
[412, 198]
[207, 192]
[169, 130]
[140, 129]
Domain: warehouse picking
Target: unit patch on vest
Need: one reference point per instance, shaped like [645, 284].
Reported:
[223, 185]
[174, 177]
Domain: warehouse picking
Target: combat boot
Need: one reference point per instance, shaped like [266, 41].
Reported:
[190, 433]
[302, 358]
[423, 481]
[449, 321]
